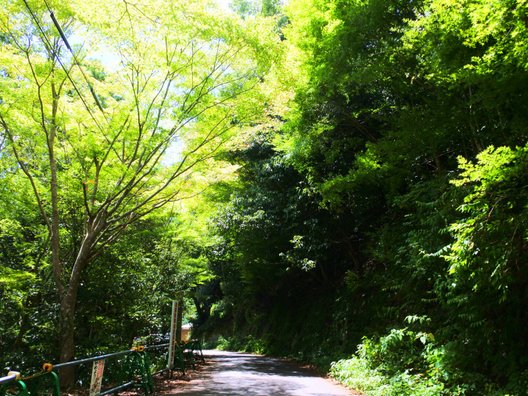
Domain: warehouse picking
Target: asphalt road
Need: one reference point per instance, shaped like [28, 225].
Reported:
[240, 374]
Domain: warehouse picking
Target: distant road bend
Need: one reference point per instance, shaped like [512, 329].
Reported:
[240, 374]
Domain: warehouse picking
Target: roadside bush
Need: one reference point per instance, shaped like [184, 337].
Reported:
[403, 362]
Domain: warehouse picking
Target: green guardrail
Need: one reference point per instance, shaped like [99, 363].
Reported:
[136, 367]
[19, 385]
[133, 368]
[12, 379]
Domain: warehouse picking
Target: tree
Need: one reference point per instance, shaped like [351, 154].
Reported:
[103, 147]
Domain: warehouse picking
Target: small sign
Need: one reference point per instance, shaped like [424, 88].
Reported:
[97, 377]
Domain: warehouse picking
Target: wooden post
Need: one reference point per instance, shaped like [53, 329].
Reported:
[97, 377]
[173, 335]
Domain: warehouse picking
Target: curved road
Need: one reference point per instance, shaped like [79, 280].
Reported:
[237, 374]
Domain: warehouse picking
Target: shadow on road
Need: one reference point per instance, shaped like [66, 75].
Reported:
[238, 374]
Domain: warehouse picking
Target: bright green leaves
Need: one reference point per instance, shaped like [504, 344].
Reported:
[12, 279]
[490, 239]
[17, 265]
[454, 39]
[365, 172]
[186, 80]
[487, 255]
[491, 168]
[129, 123]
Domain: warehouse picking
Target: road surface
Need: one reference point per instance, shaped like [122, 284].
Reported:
[237, 374]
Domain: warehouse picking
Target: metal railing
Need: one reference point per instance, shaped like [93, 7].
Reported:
[134, 369]
[10, 377]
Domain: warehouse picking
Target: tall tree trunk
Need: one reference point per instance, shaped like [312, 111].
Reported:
[68, 296]
[67, 309]
[202, 310]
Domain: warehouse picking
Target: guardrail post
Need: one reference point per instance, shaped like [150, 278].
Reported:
[55, 384]
[23, 389]
[147, 382]
[140, 365]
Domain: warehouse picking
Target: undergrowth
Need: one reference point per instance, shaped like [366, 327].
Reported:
[410, 363]
[404, 362]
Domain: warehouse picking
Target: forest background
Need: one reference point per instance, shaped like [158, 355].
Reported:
[341, 181]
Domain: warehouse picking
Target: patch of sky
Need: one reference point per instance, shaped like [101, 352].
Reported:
[109, 59]
[225, 5]
[174, 153]
[100, 51]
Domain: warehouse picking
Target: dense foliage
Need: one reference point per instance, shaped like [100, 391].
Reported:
[377, 223]
[388, 209]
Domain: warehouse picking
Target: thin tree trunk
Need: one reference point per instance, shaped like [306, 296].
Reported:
[67, 309]
[54, 187]
[68, 296]
[67, 336]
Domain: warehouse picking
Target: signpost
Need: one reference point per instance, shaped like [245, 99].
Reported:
[97, 377]
[173, 332]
